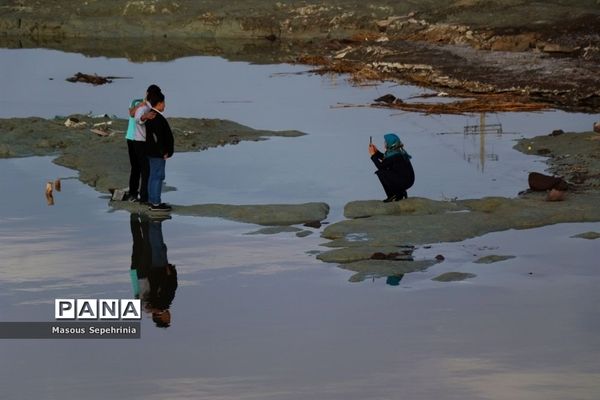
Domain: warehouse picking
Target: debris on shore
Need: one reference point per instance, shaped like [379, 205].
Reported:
[94, 79]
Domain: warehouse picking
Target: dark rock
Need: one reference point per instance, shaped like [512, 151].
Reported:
[313, 224]
[440, 257]
[388, 99]
[541, 182]
[557, 132]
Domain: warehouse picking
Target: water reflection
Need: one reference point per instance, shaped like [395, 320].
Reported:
[153, 278]
[394, 280]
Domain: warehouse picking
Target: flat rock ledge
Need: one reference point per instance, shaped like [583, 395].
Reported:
[418, 221]
[260, 214]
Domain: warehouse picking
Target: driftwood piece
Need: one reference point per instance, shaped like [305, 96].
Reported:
[94, 79]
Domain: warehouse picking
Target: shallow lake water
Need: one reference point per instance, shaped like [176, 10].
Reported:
[256, 316]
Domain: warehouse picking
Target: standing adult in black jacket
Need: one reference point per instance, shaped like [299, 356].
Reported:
[394, 169]
[159, 147]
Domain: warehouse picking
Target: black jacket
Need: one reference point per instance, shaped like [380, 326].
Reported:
[397, 167]
[159, 138]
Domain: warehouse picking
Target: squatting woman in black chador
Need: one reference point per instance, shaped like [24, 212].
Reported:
[394, 169]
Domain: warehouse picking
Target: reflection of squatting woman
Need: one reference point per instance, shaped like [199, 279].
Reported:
[394, 169]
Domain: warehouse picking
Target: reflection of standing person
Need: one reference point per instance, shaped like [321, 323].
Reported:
[141, 256]
[162, 277]
[394, 169]
[159, 147]
[153, 279]
[139, 113]
[394, 280]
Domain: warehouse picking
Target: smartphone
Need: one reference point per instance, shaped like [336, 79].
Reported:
[370, 139]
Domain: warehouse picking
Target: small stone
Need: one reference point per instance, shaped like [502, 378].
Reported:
[557, 132]
[556, 195]
[387, 98]
[440, 257]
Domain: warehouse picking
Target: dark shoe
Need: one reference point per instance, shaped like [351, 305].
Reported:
[400, 196]
[133, 199]
[160, 207]
[391, 198]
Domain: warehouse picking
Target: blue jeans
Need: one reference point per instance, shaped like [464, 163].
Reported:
[157, 243]
[155, 181]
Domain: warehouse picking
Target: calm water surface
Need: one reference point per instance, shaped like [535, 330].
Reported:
[255, 316]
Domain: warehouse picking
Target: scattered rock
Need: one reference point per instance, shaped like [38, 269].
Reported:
[588, 235]
[73, 122]
[541, 182]
[557, 132]
[388, 99]
[453, 277]
[492, 259]
[440, 257]
[556, 195]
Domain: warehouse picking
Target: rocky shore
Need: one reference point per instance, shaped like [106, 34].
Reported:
[374, 238]
[520, 52]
